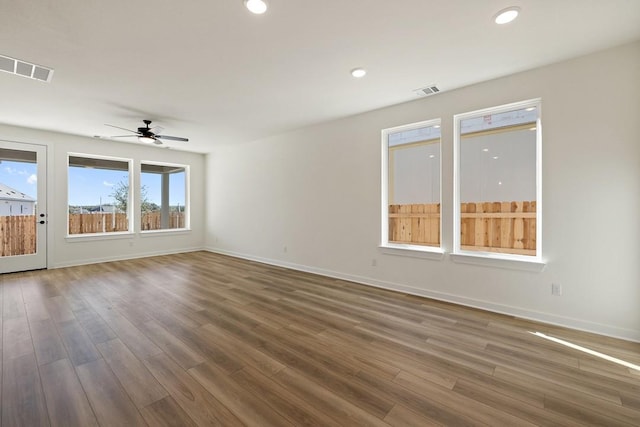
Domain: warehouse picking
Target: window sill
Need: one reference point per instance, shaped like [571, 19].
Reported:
[414, 251]
[74, 238]
[492, 260]
[166, 231]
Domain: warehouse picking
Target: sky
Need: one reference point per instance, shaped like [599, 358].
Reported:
[20, 176]
[90, 187]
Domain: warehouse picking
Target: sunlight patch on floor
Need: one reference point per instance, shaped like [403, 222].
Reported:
[588, 351]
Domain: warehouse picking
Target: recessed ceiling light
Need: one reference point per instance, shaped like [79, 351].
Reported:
[485, 149]
[431, 156]
[358, 72]
[506, 15]
[495, 157]
[256, 6]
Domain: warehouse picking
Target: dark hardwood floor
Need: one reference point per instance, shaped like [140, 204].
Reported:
[204, 339]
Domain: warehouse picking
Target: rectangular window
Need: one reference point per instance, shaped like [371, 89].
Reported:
[163, 196]
[98, 195]
[498, 191]
[411, 186]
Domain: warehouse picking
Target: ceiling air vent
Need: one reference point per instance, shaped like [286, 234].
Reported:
[427, 90]
[25, 69]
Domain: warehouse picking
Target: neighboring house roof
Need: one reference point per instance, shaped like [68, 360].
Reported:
[102, 208]
[8, 193]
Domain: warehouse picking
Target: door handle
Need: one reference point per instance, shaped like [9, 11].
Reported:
[41, 215]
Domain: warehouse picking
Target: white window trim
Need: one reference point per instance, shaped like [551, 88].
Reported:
[130, 201]
[497, 259]
[413, 251]
[187, 198]
[397, 248]
[74, 238]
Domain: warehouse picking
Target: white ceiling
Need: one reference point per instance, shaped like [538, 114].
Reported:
[213, 72]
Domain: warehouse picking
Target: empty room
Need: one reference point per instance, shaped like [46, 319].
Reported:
[338, 213]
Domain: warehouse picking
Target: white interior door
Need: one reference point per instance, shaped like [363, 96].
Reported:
[23, 207]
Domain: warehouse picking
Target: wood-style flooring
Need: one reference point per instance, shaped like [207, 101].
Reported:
[204, 339]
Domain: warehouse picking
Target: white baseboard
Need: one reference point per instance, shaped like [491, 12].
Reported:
[582, 325]
[123, 257]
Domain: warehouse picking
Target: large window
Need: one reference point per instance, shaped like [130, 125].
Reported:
[411, 186]
[99, 199]
[498, 191]
[163, 196]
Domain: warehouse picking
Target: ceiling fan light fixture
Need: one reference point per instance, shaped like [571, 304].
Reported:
[256, 6]
[506, 15]
[146, 139]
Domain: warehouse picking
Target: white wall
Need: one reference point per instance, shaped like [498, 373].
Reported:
[15, 208]
[63, 251]
[316, 191]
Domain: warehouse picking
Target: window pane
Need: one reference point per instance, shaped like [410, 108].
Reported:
[162, 196]
[18, 194]
[98, 195]
[498, 182]
[414, 186]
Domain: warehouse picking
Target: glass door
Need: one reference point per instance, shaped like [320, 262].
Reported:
[23, 207]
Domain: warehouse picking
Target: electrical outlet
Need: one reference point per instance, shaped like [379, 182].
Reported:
[556, 289]
[284, 249]
[374, 262]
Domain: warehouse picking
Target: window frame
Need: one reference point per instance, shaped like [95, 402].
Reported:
[187, 201]
[405, 248]
[471, 256]
[130, 201]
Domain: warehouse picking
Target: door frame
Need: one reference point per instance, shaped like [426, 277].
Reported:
[39, 260]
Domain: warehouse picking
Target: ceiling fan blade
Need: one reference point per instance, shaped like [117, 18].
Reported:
[124, 136]
[172, 138]
[157, 142]
[118, 127]
[157, 129]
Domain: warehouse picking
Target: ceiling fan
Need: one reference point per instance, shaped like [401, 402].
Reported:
[148, 134]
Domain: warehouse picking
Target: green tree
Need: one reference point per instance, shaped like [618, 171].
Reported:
[121, 196]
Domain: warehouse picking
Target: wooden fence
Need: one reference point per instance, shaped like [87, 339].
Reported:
[110, 222]
[151, 220]
[505, 227]
[415, 224]
[97, 223]
[17, 235]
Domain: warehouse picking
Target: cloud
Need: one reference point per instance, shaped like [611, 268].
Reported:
[108, 184]
[33, 178]
[12, 171]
